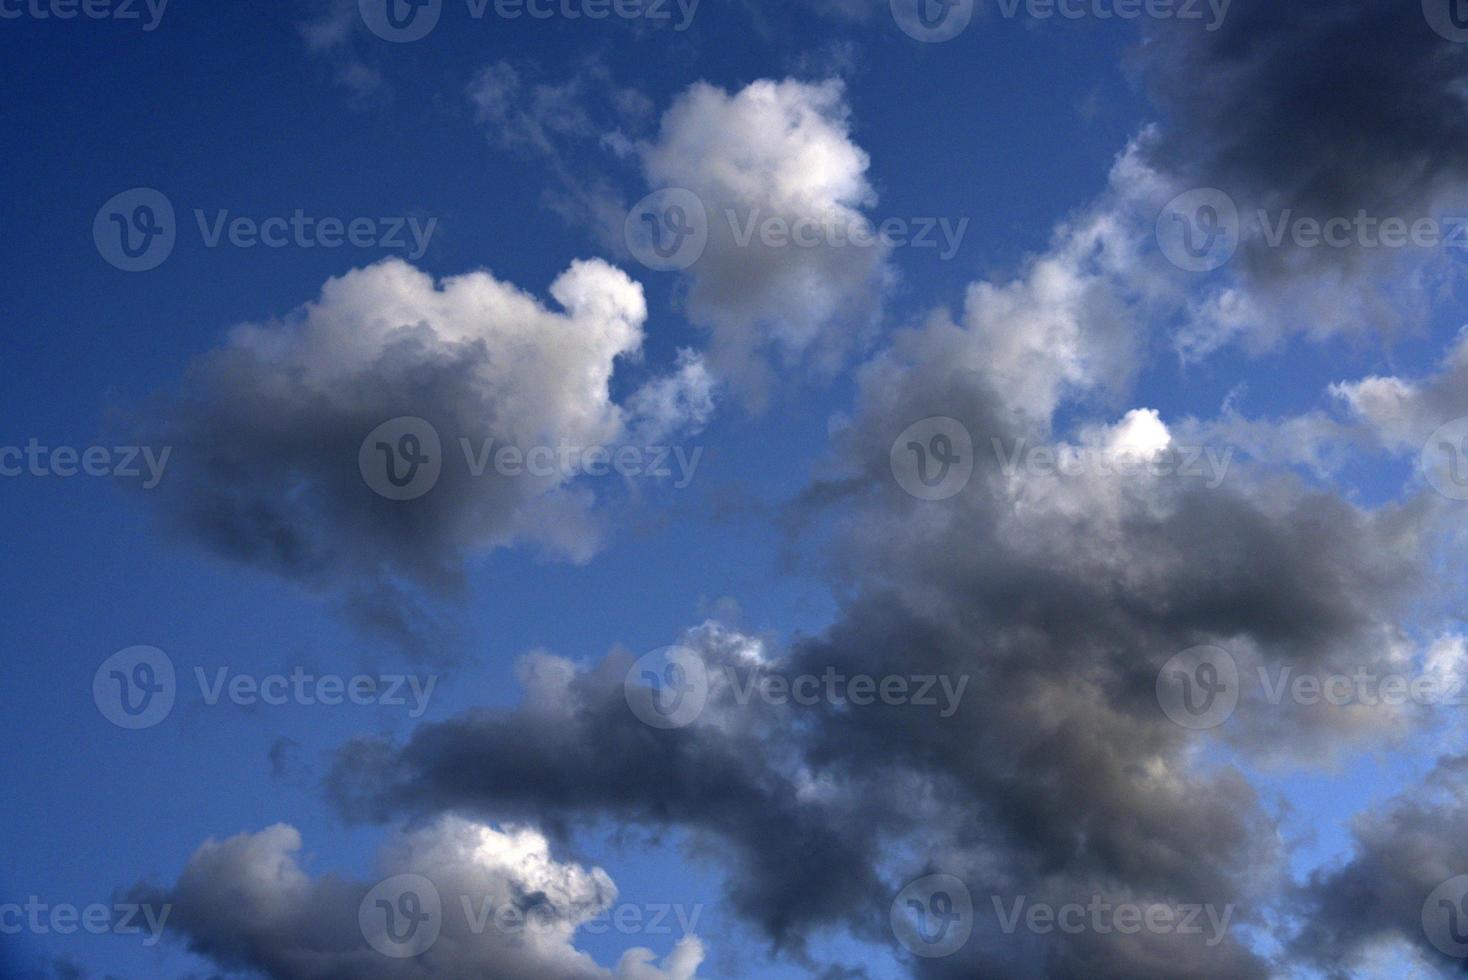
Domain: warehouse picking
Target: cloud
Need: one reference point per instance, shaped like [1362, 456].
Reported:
[269, 430]
[1404, 850]
[1058, 596]
[774, 150]
[331, 33]
[506, 908]
[1321, 110]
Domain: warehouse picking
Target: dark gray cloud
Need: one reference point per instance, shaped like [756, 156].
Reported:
[1403, 852]
[273, 465]
[1326, 110]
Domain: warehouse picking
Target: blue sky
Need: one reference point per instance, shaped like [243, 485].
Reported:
[1014, 126]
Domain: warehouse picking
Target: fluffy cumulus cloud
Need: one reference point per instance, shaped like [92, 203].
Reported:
[497, 905]
[794, 273]
[271, 464]
[1058, 777]
[778, 152]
